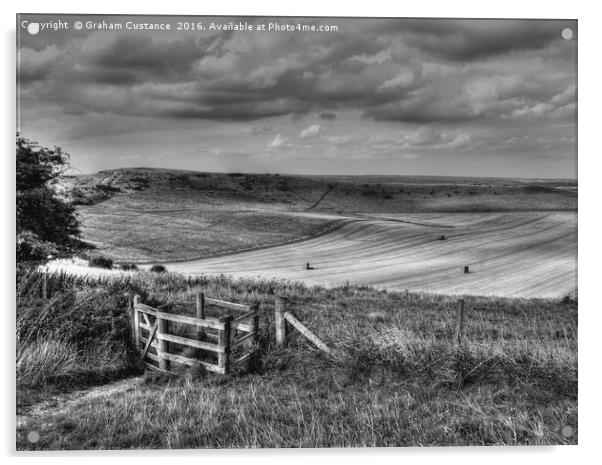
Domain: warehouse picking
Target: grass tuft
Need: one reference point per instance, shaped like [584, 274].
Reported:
[398, 378]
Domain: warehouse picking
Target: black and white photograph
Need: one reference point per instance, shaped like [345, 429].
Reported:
[267, 232]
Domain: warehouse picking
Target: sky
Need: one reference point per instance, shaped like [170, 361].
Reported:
[369, 96]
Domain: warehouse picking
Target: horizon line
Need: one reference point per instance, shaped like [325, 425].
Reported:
[575, 179]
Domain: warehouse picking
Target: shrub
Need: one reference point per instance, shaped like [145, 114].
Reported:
[81, 335]
[101, 262]
[158, 269]
[30, 247]
[283, 186]
[44, 220]
[128, 266]
[108, 188]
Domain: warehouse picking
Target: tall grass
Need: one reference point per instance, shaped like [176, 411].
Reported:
[44, 360]
[78, 335]
[397, 377]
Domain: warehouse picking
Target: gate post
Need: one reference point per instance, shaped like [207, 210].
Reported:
[279, 320]
[224, 343]
[162, 345]
[253, 329]
[460, 331]
[136, 322]
[254, 326]
[200, 313]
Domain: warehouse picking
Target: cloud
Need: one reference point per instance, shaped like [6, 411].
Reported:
[461, 40]
[144, 54]
[380, 57]
[262, 131]
[403, 70]
[461, 140]
[35, 65]
[426, 135]
[312, 131]
[560, 105]
[403, 79]
[424, 139]
[342, 140]
[327, 115]
[278, 141]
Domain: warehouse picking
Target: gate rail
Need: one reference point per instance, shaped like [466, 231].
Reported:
[220, 345]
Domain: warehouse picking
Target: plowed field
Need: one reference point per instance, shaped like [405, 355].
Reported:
[526, 254]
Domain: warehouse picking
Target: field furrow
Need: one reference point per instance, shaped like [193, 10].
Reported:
[526, 254]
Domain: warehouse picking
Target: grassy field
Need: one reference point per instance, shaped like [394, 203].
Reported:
[142, 214]
[397, 377]
[407, 252]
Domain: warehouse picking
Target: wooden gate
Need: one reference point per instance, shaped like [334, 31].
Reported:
[220, 344]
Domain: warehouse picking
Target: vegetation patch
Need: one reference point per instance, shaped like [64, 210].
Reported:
[397, 377]
[101, 262]
[209, 213]
[128, 266]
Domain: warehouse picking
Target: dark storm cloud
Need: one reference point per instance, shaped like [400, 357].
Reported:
[237, 111]
[415, 71]
[328, 116]
[469, 40]
[150, 56]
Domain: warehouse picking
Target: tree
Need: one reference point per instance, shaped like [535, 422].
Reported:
[46, 224]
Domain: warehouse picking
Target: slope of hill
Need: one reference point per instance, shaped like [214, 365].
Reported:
[517, 254]
[143, 214]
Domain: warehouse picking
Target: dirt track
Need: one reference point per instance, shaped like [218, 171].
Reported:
[510, 254]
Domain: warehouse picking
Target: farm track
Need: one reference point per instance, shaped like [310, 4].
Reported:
[522, 254]
[61, 403]
[322, 197]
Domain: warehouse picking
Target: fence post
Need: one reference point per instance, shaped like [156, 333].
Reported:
[223, 357]
[163, 347]
[254, 323]
[254, 328]
[200, 312]
[279, 320]
[44, 286]
[136, 322]
[130, 314]
[460, 330]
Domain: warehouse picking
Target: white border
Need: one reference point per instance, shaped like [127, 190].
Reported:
[590, 195]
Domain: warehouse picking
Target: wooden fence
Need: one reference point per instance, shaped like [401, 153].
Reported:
[281, 317]
[220, 344]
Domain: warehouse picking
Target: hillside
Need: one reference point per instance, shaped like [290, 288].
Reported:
[398, 377]
[410, 254]
[143, 214]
